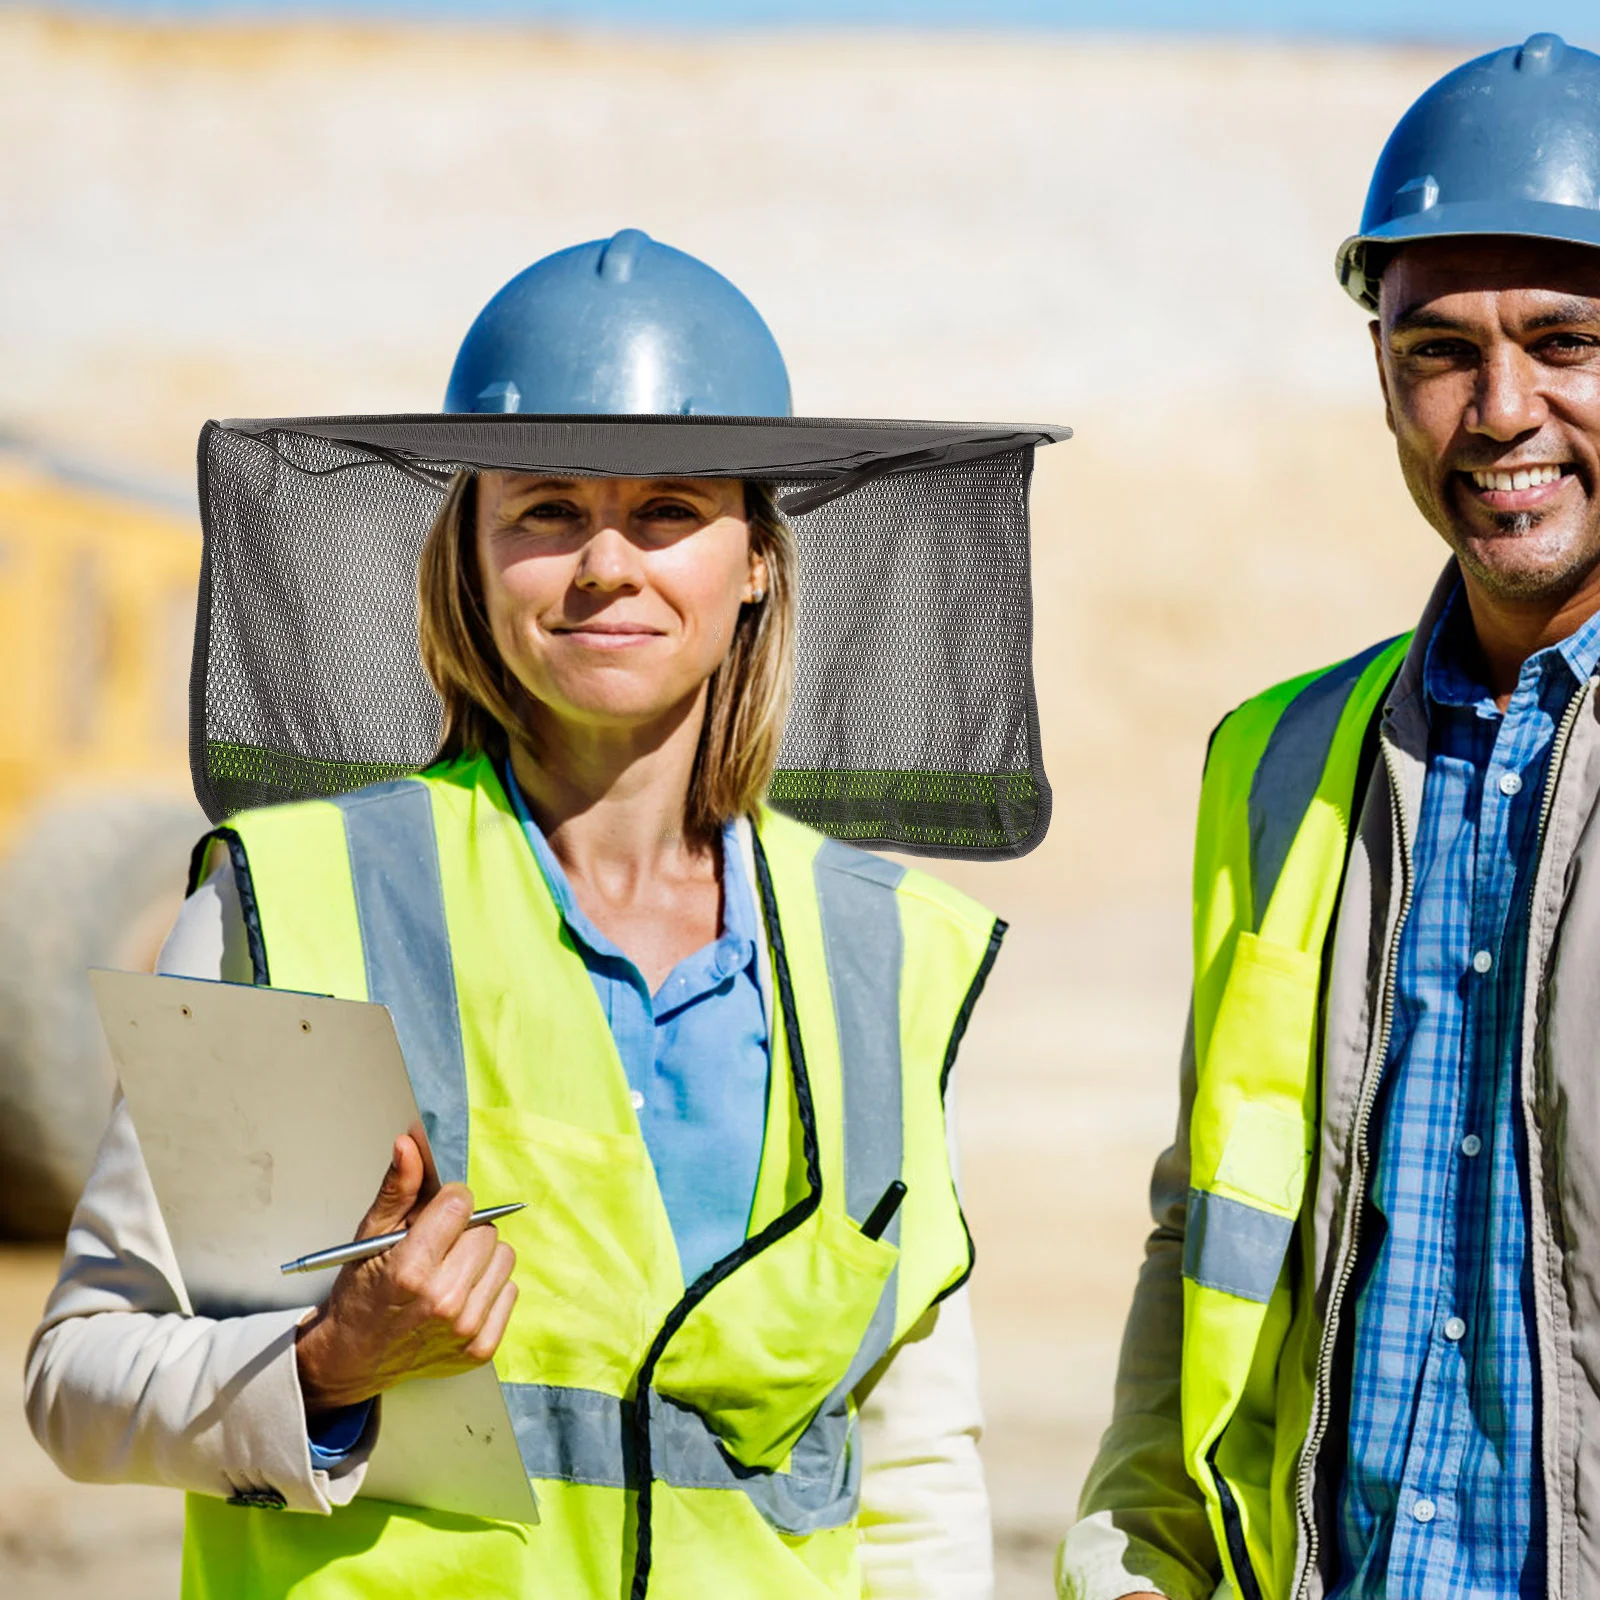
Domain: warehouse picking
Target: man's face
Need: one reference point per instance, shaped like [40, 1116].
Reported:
[1489, 355]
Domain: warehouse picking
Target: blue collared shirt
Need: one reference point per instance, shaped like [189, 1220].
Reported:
[1442, 1494]
[696, 1054]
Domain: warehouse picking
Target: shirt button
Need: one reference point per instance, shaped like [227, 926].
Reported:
[1424, 1510]
[1482, 961]
[1471, 1145]
[1510, 783]
[1455, 1330]
[636, 1100]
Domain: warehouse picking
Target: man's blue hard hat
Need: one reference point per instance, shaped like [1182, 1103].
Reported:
[620, 326]
[1507, 144]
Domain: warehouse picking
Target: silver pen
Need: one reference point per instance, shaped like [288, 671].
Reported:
[340, 1255]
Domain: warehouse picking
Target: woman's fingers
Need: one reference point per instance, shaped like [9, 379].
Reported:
[439, 1298]
[450, 1282]
[485, 1292]
[487, 1340]
[432, 1235]
[397, 1194]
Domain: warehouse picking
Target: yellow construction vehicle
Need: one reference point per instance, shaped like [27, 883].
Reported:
[97, 598]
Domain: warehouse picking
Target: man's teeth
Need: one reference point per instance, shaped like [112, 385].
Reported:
[1522, 478]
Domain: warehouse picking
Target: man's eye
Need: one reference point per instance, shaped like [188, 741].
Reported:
[1443, 350]
[1563, 346]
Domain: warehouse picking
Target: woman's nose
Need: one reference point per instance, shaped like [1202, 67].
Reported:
[608, 561]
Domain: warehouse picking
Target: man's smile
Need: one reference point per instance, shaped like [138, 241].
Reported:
[1529, 486]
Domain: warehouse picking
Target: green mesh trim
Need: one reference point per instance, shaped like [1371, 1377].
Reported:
[962, 811]
[245, 775]
[981, 811]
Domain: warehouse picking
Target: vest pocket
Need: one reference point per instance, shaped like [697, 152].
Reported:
[762, 1351]
[593, 1281]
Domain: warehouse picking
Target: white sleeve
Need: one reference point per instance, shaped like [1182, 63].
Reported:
[925, 1524]
[123, 1383]
[924, 1505]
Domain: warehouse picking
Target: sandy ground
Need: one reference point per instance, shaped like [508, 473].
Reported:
[1133, 237]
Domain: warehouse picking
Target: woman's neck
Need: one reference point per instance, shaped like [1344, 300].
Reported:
[612, 809]
[611, 801]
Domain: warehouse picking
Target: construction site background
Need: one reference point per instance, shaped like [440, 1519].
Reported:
[1133, 237]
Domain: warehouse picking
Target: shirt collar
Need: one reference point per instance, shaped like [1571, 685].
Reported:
[1451, 676]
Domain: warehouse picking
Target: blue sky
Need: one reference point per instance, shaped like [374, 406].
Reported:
[1494, 20]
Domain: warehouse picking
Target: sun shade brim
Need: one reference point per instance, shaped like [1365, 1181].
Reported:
[914, 725]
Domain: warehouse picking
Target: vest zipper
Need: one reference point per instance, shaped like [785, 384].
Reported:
[1357, 1195]
[1245, 1580]
[791, 1219]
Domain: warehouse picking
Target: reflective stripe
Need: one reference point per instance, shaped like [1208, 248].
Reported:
[405, 942]
[1290, 770]
[585, 1436]
[1233, 1247]
[865, 952]
[863, 946]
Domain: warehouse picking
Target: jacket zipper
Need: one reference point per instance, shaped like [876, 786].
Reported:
[1558, 750]
[1357, 1196]
[1369, 1095]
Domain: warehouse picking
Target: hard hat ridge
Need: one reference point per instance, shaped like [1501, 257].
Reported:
[616, 327]
[1506, 144]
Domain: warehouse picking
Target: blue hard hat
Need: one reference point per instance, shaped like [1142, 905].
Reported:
[620, 326]
[1507, 144]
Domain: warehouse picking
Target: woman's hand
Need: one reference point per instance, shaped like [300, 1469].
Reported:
[435, 1304]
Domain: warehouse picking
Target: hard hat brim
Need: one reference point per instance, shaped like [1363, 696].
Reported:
[1524, 219]
[839, 451]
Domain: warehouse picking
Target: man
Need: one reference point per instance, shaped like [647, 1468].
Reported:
[1364, 1353]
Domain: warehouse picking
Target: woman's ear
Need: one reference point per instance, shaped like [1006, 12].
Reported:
[755, 589]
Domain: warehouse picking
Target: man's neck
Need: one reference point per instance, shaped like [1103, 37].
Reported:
[1509, 631]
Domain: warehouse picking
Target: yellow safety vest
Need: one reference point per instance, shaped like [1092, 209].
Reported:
[1272, 843]
[694, 1440]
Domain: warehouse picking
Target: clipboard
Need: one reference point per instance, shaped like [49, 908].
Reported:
[266, 1118]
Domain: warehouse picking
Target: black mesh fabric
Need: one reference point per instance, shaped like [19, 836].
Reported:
[913, 725]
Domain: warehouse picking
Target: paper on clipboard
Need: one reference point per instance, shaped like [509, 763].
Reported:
[266, 1118]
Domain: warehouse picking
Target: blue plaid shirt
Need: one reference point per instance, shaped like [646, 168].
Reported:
[1442, 1496]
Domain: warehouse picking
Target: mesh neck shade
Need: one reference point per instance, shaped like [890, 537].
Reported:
[914, 725]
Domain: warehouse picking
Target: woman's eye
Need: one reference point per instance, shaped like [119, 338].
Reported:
[548, 511]
[668, 511]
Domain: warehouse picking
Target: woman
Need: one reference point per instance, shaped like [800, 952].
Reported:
[705, 1044]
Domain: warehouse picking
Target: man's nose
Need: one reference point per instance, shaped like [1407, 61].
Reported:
[1507, 402]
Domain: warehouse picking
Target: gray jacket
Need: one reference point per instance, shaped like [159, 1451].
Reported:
[1142, 1522]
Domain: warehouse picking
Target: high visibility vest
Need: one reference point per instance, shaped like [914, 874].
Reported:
[1272, 843]
[690, 1440]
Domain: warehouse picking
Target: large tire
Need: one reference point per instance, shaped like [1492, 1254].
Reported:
[87, 884]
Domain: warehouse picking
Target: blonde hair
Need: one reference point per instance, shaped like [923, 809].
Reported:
[747, 699]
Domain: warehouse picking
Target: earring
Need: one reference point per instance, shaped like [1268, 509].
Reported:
[757, 596]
